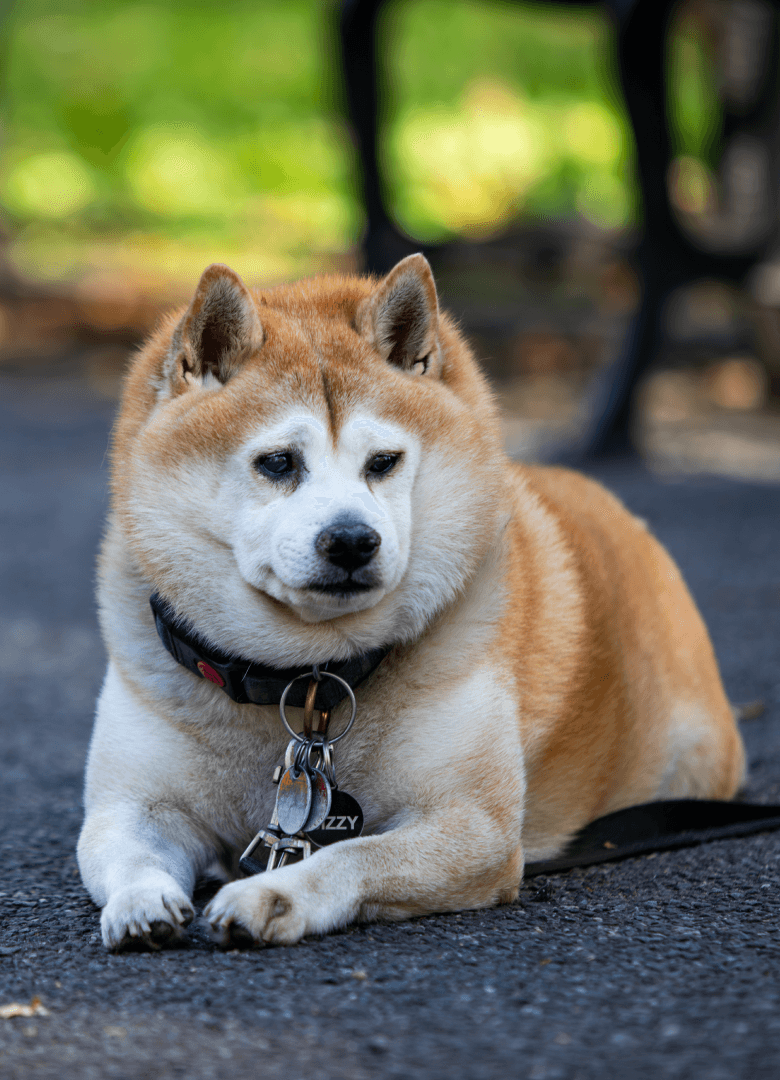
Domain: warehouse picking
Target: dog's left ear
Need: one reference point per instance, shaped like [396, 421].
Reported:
[401, 317]
[220, 330]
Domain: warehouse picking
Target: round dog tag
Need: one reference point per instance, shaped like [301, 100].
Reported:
[343, 822]
[293, 801]
[321, 792]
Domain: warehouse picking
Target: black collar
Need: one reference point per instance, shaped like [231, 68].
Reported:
[255, 684]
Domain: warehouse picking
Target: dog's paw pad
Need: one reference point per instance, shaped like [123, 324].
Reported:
[158, 936]
[249, 912]
[231, 935]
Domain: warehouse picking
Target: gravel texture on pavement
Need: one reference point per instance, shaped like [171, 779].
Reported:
[660, 967]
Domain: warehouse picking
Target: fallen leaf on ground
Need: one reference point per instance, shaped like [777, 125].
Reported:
[16, 1008]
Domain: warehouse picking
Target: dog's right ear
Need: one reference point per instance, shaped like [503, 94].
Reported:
[219, 331]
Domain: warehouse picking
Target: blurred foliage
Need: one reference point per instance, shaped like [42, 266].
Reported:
[173, 133]
[148, 136]
[696, 117]
[504, 110]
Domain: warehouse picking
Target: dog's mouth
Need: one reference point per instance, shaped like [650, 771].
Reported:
[342, 588]
[327, 596]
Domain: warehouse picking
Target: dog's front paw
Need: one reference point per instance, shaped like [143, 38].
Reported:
[266, 909]
[146, 916]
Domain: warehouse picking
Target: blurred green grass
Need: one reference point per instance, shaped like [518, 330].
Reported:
[147, 139]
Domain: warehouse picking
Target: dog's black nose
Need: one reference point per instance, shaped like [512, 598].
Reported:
[348, 546]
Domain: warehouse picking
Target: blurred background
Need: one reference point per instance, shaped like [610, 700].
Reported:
[142, 141]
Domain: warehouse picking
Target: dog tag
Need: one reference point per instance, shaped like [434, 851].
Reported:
[343, 822]
[321, 797]
[293, 801]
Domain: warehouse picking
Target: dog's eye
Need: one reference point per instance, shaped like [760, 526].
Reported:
[275, 466]
[380, 464]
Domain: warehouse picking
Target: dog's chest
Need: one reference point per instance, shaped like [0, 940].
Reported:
[228, 768]
[231, 784]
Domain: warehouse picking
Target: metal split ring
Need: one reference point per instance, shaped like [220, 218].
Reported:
[299, 759]
[323, 761]
[298, 736]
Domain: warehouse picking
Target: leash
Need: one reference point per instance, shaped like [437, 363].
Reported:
[659, 826]
[637, 830]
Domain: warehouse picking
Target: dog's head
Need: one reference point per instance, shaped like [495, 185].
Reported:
[309, 471]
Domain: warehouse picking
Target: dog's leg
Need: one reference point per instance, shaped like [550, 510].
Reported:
[454, 858]
[139, 852]
[141, 879]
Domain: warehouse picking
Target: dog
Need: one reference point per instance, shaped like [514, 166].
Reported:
[314, 473]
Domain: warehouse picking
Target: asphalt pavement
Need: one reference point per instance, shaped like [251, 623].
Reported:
[661, 967]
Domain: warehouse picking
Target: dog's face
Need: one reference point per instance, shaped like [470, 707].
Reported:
[310, 473]
[323, 520]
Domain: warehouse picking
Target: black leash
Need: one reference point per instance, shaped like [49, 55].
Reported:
[659, 826]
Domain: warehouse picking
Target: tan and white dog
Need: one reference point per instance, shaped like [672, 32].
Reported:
[548, 665]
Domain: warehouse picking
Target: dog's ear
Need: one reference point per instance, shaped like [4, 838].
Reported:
[219, 331]
[400, 319]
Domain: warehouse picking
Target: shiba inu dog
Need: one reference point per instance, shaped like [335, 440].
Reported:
[313, 474]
